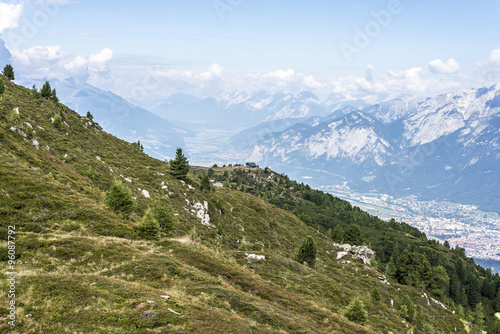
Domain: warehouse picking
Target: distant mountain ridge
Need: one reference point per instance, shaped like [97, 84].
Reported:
[116, 115]
[445, 147]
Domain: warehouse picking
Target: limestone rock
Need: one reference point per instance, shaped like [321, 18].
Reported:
[360, 253]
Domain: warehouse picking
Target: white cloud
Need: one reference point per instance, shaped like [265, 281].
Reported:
[281, 80]
[492, 64]
[438, 66]
[51, 62]
[10, 15]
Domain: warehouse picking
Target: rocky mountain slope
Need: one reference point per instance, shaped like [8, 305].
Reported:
[438, 148]
[226, 267]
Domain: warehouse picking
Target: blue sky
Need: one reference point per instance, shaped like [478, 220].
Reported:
[204, 46]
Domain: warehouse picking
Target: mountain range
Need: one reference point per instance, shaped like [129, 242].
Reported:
[446, 147]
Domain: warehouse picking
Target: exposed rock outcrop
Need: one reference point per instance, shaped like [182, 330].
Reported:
[360, 253]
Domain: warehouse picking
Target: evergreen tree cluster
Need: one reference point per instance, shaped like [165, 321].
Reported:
[46, 92]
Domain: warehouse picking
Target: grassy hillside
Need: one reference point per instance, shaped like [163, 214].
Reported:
[82, 268]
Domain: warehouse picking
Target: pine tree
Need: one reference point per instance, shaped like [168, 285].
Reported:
[376, 294]
[356, 312]
[119, 198]
[307, 252]
[58, 123]
[35, 91]
[478, 318]
[179, 167]
[473, 291]
[496, 302]
[53, 96]
[2, 87]
[353, 235]
[205, 183]
[90, 116]
[46, 91]
[149, 228]
[338, 234]
[407, 309]
[8, 71]
[164, 215]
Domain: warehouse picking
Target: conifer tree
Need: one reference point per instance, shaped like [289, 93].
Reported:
[149, 228]
[90, 116]
[58, 123]
[8, 71]
[307, 252]
[353, 235]
[2, 87]
[35, 91]
[338, 234]
[53, 96]
[407, 309]
[205, 183]
[179, 167]
[376, 294]
[356, 312]
[46, 91]
[119, 198]
[164, 215]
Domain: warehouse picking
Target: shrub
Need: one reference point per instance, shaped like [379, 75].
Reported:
[164, 215]
[2, 87]
[406, 309]
[376, 294]
[205, 183]
[356, 312]
[119, 198]
[149, 228]
[58, 124]
[307, 252]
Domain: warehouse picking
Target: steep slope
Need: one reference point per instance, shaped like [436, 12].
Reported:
[83, 268]
[123, 119]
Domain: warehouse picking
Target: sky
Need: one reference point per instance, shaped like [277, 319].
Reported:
[148, 50]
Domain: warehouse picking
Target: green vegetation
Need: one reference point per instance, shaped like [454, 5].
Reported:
[356, 312]
[58, 123]
[353, 235]
[80, 199]
[164, 215]
[179, 167]
[338, 234]
[2, 87]
[8, 71]
[119, 198]
[205, 183]
[307, 252]
[149, 228]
